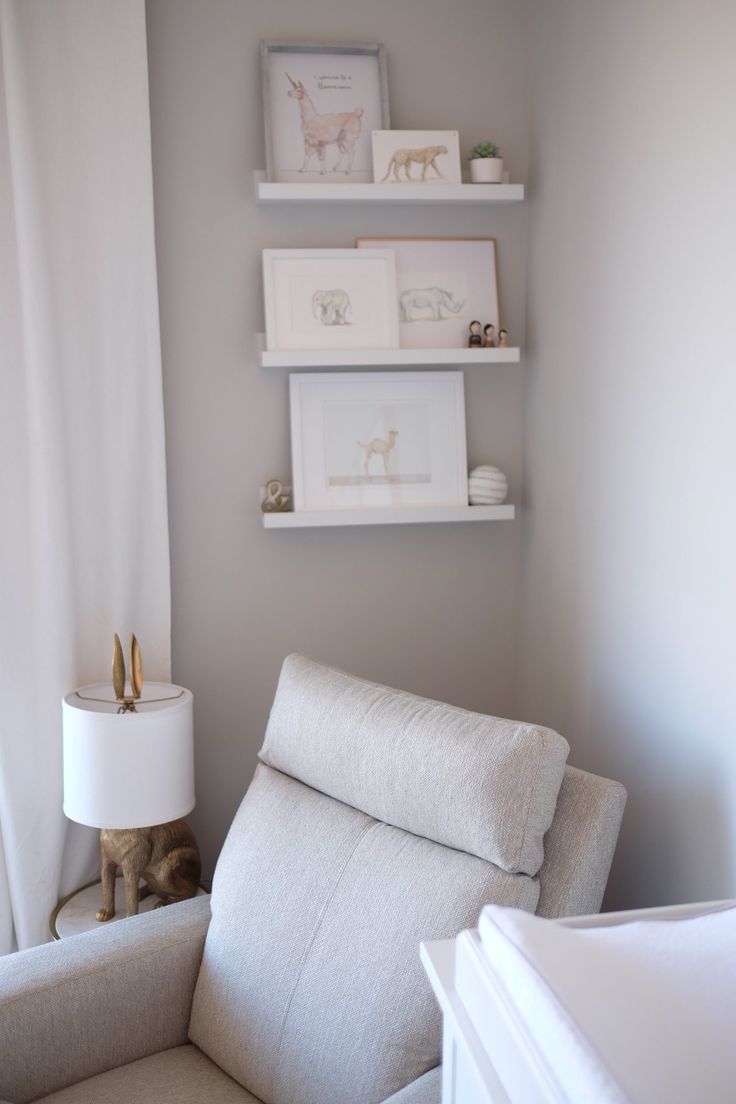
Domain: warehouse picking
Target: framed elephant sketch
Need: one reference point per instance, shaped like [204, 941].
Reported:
[443, 284]
[378, 440]
[320, 104]
[330, 299]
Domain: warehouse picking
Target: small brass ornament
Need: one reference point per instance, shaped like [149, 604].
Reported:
[277, 501]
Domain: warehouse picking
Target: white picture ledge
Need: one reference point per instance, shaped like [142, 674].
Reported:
[309, 519]
[453, 194]
[381, 358]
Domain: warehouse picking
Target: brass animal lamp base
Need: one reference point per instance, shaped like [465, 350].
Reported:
[166, 856]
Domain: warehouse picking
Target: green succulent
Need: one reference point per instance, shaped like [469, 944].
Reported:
[485, 149]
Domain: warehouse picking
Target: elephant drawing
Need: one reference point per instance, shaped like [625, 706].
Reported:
[332, 307]
[415, 302]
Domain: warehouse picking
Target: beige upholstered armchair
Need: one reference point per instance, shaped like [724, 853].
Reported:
[375, 820]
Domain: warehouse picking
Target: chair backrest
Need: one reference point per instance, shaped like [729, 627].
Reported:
[375, 820]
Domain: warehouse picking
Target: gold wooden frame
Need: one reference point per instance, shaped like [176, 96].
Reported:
[385, 243]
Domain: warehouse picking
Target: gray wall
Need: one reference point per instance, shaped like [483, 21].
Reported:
[432, 609]
[630, 530]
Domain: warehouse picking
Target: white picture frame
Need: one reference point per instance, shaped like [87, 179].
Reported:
[443, 284]
[416, 157]
[330, 299]
[373, 440]
[320, 104]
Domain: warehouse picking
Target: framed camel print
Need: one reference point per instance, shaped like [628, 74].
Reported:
[320, 105]
[443, 284]
[367, 440]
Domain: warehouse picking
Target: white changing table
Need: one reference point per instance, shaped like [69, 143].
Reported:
[494, 1050]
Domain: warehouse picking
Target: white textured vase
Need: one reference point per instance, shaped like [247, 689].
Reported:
[487, 486]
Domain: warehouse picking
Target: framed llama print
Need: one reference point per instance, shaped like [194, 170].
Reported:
[320, 106]
[367, 440]
[443, 284]
[330, 299]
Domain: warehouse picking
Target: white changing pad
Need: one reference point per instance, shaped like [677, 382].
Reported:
[638, 1012]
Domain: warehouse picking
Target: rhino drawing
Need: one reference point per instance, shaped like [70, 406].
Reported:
[332, 307]
[415, 302]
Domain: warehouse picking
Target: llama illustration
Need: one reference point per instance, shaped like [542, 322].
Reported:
[433, 299]
[320, 131]
[380, 448]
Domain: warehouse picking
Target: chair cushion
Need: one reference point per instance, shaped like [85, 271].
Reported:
[311, 990]
[179, 1076]
[636, 1012]
[476, 783]
[425, 1090]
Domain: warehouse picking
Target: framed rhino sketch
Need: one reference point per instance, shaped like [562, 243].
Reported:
[443, 284]
[330, 299]
[320, 104]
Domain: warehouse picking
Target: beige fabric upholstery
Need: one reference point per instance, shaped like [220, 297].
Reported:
[476, 783]
[311, 990]
[69, 1010]
[580, 844]
[425, 1090]
[185, 1076]
[179, 1076]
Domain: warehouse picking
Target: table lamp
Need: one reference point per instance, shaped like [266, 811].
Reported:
[129, 770]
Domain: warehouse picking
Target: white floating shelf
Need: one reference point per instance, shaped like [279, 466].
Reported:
[458, 194]
[380, 358]
[422, 515]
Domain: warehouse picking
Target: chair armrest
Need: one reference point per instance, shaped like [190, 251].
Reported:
[92, 1002]
[427, 1089]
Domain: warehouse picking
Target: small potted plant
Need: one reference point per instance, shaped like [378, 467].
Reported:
[486, 164]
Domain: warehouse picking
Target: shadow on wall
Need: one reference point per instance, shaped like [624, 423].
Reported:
[674, 844]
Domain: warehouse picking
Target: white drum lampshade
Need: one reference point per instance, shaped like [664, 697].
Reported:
[131, 769]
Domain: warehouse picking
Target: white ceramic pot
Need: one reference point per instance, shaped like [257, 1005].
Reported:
[486, 170]
[487, 486]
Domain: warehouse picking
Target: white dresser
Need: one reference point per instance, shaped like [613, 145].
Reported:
[482, 1060]
[602, 1009]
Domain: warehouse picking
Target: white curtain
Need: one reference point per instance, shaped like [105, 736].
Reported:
[83, 519]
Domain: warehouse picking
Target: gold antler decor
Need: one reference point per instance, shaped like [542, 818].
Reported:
[118, 674]
[118, 669]
[136, 667]
[126, 702]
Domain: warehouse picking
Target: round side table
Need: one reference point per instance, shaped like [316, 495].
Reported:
[76, 913]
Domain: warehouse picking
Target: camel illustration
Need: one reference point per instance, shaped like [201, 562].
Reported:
[380, 448]
[320, 131]
[433, 299]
